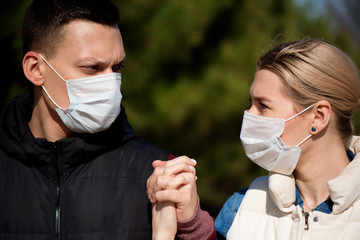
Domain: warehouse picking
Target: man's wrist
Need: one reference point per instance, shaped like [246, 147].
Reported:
[162, 236]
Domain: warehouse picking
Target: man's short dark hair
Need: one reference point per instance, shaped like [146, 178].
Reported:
[44, 20]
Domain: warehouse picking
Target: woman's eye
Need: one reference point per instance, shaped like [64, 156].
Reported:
[262, 105]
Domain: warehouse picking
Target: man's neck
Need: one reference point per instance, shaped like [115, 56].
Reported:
[45, 123]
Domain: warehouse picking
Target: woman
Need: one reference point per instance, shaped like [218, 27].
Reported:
[300, 129]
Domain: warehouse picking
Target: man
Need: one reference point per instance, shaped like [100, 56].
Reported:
[70, 165]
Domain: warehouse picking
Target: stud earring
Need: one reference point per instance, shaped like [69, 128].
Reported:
[313, 129]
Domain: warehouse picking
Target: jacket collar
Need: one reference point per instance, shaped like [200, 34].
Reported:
[344, 189]
[17, 140]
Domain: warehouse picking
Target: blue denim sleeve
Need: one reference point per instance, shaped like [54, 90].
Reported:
[226, 216]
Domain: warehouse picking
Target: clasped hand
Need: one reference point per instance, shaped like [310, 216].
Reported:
[172, 191]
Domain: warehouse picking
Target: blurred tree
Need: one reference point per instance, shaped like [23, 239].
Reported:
[345, 22]
[345, 17]
[188, 71]
[13, 82]
[196, 62]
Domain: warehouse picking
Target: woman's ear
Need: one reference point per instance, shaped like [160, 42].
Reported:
[322, 115]
[31, 68]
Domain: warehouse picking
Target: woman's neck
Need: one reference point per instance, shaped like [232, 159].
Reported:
[316, 168]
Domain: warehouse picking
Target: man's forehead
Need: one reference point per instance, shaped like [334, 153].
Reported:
[83, 29]
[93, 42]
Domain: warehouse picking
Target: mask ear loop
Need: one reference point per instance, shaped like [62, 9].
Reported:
[42, 86]
[50, 97]
[304, 140]
[300, 112]
[52, 68]
[298, 115]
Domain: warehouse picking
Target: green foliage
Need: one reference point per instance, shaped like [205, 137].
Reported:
[11, 13]
[187, 86]
[188, 71]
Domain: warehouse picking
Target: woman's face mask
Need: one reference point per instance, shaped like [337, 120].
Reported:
[263, 145]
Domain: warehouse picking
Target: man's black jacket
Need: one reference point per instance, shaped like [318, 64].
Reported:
[88, 186]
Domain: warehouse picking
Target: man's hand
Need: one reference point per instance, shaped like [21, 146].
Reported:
[164, 221]
[175, 181]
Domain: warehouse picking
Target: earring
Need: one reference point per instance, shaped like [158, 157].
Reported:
[313, 129]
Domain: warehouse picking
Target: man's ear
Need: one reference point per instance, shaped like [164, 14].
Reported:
[322, 115]
[31, 68]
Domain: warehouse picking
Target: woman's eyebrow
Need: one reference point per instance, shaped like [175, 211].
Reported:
[259, 98]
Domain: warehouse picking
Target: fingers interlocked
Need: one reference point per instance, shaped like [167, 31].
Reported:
[170, 175]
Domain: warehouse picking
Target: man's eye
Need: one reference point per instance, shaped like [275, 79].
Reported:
[90, 69]
[94, 67]
[117, 67]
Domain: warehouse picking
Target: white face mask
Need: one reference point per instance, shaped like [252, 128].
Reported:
[262, 143]
[94, 102]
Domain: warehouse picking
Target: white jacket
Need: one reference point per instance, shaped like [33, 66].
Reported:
[268, 211]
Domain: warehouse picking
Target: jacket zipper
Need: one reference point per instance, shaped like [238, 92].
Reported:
[57, 181]
[306, 215]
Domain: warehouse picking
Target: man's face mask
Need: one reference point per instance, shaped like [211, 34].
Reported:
[263, 145]
[94, 102]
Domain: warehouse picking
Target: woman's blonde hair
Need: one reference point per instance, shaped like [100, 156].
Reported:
[312, 70]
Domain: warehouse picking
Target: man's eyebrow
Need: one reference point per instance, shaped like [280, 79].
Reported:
[97, 61]
[89, 60]
[121, 61]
